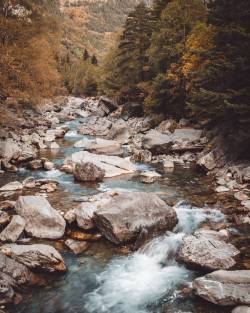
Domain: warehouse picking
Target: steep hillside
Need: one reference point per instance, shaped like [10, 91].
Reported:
[92, 23]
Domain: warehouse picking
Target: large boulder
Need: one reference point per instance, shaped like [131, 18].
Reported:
[157, 142]
[41, 220]
[224, 287]
[14, 230]
[36, 257]
[88, 172]
[112, 165]
[13, 275]
[107, 105]
[96, 126]
[181, 140]
[100, 146]
[122, 217]
[9, 149]
[131, 109]
[207, 249]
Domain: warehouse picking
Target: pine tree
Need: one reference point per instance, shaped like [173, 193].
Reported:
[130, 60]
[85, 55]
[222, 89]
[94, 60]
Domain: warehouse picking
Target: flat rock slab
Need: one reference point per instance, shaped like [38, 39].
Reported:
[124, 216]
[13, 186]
[208, 251]
[112, 165]
[36, 257]
[100, 146]
[224, 287]
[14, 230]
[41, 220]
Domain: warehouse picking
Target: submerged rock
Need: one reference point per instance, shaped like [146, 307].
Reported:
[77, 247]
[88, 172]
[14, 230]
[123, 216]
[42, 221]
[36, 257]
[149, 177]
[208, 250]
[224, 287]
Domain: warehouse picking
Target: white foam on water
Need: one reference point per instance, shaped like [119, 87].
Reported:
[53, 173]
[72, 133]
[191, 217]
[131, 284]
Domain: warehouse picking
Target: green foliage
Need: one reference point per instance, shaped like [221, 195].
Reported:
[129, 64]
[222, 88]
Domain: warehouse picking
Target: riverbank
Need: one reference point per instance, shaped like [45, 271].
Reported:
[118, 156]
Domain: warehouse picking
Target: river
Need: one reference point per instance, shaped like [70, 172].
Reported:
[109, 279]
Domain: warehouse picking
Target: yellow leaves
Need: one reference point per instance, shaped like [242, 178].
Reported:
[199, 43]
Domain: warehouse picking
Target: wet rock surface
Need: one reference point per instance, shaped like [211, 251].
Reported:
[224, 287]
[41, 220]
[36, 256]
[122, 218]
[208, 250]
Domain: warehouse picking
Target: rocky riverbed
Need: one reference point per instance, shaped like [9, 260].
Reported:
[106, 210]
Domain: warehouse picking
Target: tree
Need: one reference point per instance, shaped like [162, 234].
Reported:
[129, 66]
[94, 60]
[222, 88]
[85, 55]
[29, 45]
[168, 44]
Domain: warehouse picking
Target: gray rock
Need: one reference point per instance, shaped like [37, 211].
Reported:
[241, 309]
[100, 146]
[9, 150]
[35, 165]
[4, 218]
[13, 186]
[224, 287]
[207, 249]
[48, 166]
[88, 172]
[107, 106]
[122, 217]
[141, 156]
[112, 165]
[14, 230]
[84, 215]
[77, 247]
[222, 189]
[149, 177]
[13, 275]
[36, 257]
[42, 221]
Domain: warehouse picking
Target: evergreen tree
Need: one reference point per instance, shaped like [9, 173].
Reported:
[168, 44]
[129, 66]
[94, 60]
[222, 89]
[85, 55]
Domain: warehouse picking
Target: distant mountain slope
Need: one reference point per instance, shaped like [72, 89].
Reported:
[92, 23]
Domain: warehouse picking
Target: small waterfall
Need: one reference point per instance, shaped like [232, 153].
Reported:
[131, 284]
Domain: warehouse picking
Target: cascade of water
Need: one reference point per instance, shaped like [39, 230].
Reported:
[131, 284]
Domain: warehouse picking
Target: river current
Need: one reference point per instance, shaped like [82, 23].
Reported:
[110, 279]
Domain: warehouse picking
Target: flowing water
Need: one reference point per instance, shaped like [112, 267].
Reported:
[108, 280]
